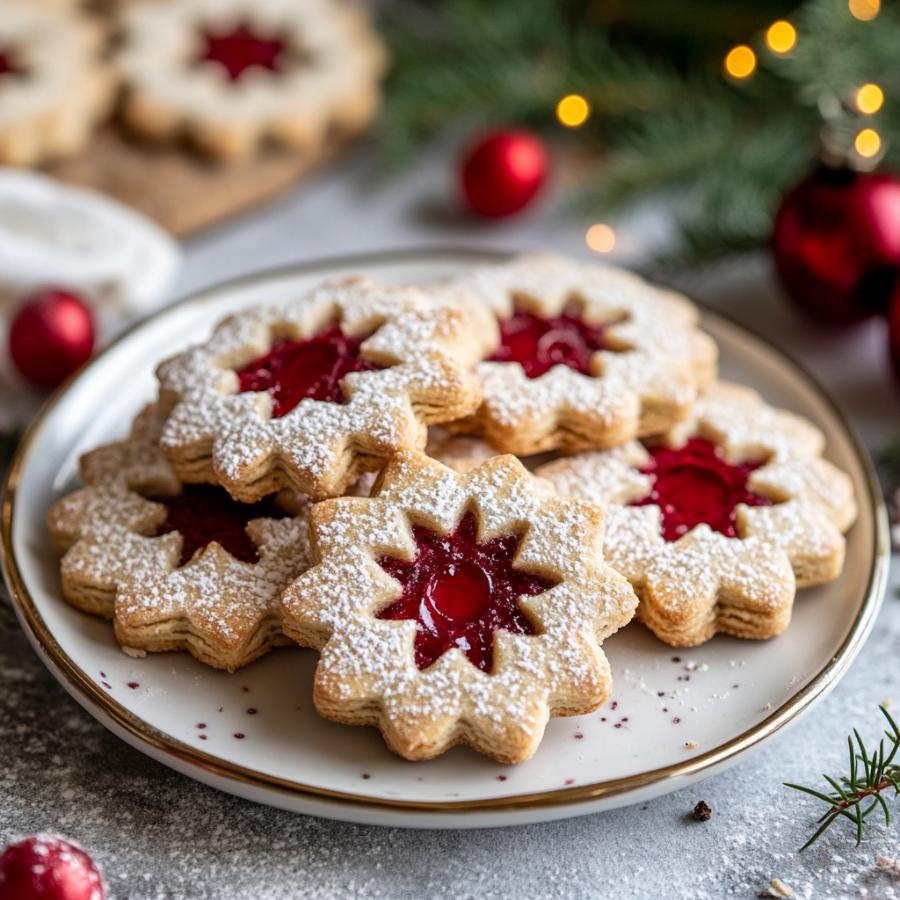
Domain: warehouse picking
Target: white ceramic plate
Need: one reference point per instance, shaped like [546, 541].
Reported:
[255, 734]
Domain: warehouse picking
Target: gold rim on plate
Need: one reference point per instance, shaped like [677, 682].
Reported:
[64, 668]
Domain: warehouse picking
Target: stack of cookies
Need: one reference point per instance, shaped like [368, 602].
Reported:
[343, 472]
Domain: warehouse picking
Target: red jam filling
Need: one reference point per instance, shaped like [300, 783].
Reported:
[537, 344]
[241, 49]
[310, 368]
[694, 484]
[460, 591]
[7, 66]
[203, 513]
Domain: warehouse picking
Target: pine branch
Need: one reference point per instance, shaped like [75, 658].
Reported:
[722, 152]
[854, 796]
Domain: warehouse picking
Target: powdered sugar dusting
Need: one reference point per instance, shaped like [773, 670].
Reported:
[368, 661]
[654, 365]
[682, 581]
[215, 604]
[320, 447]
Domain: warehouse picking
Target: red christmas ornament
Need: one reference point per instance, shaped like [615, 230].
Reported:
[502, 171]
[47, 867]
[837, 243]
[52, 334]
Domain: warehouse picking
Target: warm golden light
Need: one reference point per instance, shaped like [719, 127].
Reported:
[573, 110]
[600, 238]
[740, 62]
[781, 36]
[864, 10]
[869, 99]
[867, 143]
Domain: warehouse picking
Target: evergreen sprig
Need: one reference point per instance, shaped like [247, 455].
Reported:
[664, 119]
[854, 796]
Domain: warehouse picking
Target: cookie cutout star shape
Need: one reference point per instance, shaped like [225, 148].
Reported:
[176, 567]
[376, 365]
[54, 84]
[233, 75]
[579, 356]
[457, 608]
[717, 524]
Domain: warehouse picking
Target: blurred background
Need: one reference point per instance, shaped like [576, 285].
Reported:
[745, 151]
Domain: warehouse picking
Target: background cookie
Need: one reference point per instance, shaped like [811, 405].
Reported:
[54, 84]
[229, 74]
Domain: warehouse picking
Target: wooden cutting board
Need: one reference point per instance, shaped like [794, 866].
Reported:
[180, 190]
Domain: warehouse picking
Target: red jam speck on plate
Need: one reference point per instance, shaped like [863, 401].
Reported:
[694, 485]
[203, 513]
[460, 592]
[311, 368]
[537, 343]
[241, 49]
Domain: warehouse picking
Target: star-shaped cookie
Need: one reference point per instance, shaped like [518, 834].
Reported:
[579, 356]
[313, 394]
[457, 608]
[176, 566]
[717, 523]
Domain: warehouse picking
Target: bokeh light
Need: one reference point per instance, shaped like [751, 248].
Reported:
[600, 238]
[573, 110]
[864, 10]
[867, 143]
[740, 62]
[781, 36]
[869, 99]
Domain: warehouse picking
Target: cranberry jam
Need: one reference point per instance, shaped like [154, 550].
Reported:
[308, 368]
[203, 513]
[537, 344]
[460, 592]
[694, 484]
[241, 49]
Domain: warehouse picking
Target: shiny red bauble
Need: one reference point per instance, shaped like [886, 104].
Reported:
[837, 243]
[47, 867]
[502, 171]
[51, 335]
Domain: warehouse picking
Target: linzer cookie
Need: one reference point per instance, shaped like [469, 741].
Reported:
[176, 566]
[457, 608]
[716, 524]
[54, 84]
[231, 74]
[578, 356]
[314, 394]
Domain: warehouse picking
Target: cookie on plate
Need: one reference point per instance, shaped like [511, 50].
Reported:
[716, 524]
[176, 566]
[230, 74]
[579, 356]
[54, 84]
[313, 394]
[457, 608]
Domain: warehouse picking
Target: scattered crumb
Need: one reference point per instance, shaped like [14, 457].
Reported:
[886, 864]
[887, 703]
[768, 706]
[691, 745]
[777, 888]
[134, 652]
[702, 811]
